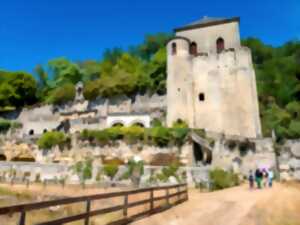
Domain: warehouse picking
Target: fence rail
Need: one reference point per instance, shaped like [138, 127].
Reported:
[181, 194]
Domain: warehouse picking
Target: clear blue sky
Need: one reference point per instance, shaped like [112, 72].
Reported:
[34, 31]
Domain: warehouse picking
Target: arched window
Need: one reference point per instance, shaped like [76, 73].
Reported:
[117, 124]
[31, 132]
[201, 97]
[193, 48]
[174, 49]
[45, 131]
[220, 45]
[138, 124]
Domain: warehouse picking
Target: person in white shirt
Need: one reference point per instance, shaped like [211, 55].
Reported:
[270, 177]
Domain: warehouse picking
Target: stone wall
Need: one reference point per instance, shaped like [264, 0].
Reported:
[289, 160]
[244, 155]
[54, 172]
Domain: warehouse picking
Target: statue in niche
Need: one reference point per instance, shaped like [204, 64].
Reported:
[79, 92]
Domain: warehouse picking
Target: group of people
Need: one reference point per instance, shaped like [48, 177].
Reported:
[262, 178]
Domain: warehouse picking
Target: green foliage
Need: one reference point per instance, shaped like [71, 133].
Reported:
[111, 170]
[83, 169]
[159, 136]
[5, 125]
[62, 94]
[169, 171]
[156, 122]
[133, 134]
[50, 139]
[180, 124]
[135, 169]
[278, 71]
[221, 179]
[17, 89]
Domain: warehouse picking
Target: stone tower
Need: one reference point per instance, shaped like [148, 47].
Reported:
[211, 81]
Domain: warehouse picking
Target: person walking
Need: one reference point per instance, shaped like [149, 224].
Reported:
[265, 178]
[251, 179]
[258, 176]
[270, 178]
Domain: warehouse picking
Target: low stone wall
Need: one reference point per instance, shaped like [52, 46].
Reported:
[241, 156]
[36, 172]
[289, 160]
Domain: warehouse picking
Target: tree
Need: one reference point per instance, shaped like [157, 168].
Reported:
[17, 89]
[63, 94]
[64, 71]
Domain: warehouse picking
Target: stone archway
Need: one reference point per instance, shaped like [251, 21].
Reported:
[2, 157]
[202, 155]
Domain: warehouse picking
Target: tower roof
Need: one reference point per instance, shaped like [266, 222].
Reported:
[206, 22]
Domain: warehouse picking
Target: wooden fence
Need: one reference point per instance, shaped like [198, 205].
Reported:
[180, 195]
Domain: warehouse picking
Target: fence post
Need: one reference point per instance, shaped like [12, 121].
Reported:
[178, 195]
[167, 195]
[151, 199]
[88, 209]
[125, 208]
[186, 192]
[22, 218]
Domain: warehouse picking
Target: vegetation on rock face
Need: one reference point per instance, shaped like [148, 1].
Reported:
[53, 138]
[158, 136]
[111, 170]
[221, 179]
[5, 125]
[142, 69]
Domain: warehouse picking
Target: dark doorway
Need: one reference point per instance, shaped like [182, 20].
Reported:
[220, 45]
[2, 157]
[198, 153]
[193, 49]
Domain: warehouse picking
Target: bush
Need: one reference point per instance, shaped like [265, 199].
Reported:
[133, 134]
[53, 138]
[159, 136]
[221, 179]
[5, 125]
[179, 135]
[180, 124]
[169, 171]
[111, 170]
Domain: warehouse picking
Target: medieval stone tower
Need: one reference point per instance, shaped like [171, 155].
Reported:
[211, 81]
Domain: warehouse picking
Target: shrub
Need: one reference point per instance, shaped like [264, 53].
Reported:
[156, 122]
[50, 139]
[133, 134]
[4, 125]
[83, 169]
[221, 179]
[159, 136]
[180, 124]
[179, 135]
[169, 171]
[101, 136]
[111, 170]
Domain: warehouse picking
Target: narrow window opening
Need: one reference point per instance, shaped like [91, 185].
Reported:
[31, 132]
[193, 48]
[220, 45]
[174, 49]
[201, 97]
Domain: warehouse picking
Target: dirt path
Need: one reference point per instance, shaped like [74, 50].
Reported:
[235, 206]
